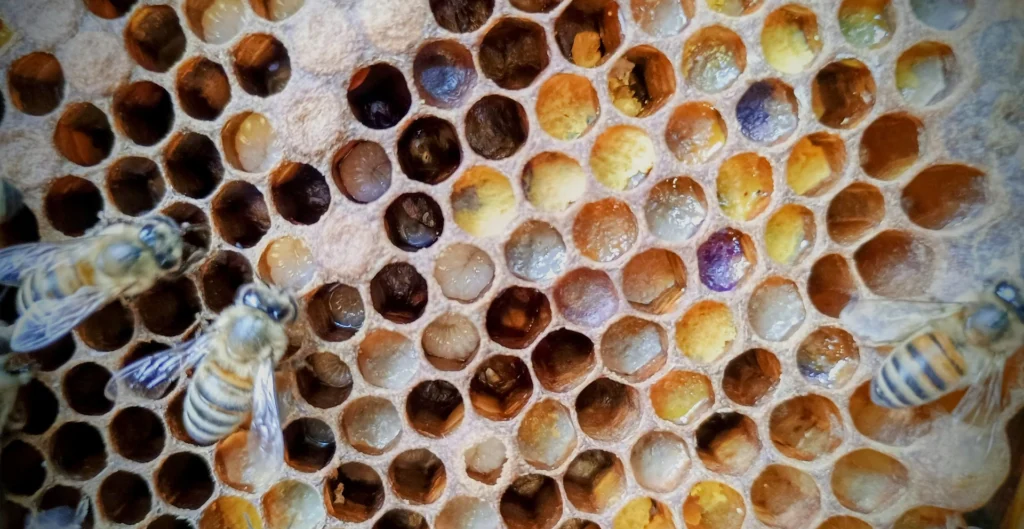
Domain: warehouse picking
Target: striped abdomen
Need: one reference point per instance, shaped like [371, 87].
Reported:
[919, 371]
[215, 403]
[56, 283]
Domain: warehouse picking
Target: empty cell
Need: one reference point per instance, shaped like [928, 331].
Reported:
[776, 309]
[354, 492]
[248, 140]
[444, 73]
[429, 151]
[144, 112]
[706, 331]
[695, 132]
[868, 481]
[604, 230]
[891, 145]
[221, 276]
[727, 442]
[587, 32]
[300, 193]
[532, 501]
[169, 521]
[135, 185]
[594, 480]
[137, 434]
[83, 389]
[324, 380]
[926, 73]
[535, 251]
[109, 8]
[675, 209]
[25, 469]
[586, 297]
[513, 52]
[896, 264]
[193, 164]
[486, 459]
[417, 476]
[399, 293]
[500, 387]
[308, 444]
[262, 65]
[170, 307]
[362, 171]
[55, 355]
[401, 519]
[464, 272]
[815, 163]
[240, 214]
[567, 106]
[562, 359]
[634, 348]
[288, 263]
[607, 410]
[844, 522]
[942, 14]
[744, 186]
[229, 512]
[450, 342]
[725, 259]
[662, 18]
[767, 112]
[713, 505]
[653, 281]
[184, 480]
[39, 405]
[866, 23]
[19, 229]
[154, 38]
[713, 58]
[379, 96]
[293, 505]
[785, 497]
[83, 134]
[215, 21]
[789, 234]
[643, 513]
[806, 427]
[517, 316]
[641, 81]
[682, 397]
[751, 376]
[466, 512]
[434, 408]
[547, 435]
[203, 88]
[828, 357]
[387, 359]
[943, 196]
[413, 221]
[372, 425]
[842, 93]
[124, 498]
[496, 127]
[553, 181]
[928, 517]
[335, 312]
[36, 83]
[854, 211]
[483, 202]
[790, 38]
[461, 16]
[73, 205]
[276, 10]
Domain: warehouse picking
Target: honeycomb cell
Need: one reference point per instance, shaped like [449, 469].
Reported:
[567, 106]
[144, 112]
[927, 517]
[429, 151]
[215, 21]
[867, 481]
[706, 331]
[170, 307]
[135, 186]
[890, 145]
[713, 58]
[485, 460]
[588, 32]
[240, 214]
[776, 309]
[562, 359]
[896, 264]
[293, 505]
[891, 426]
[607, 410]
[695, 132]
[944, 196]
[653, 281]
[634, 348]
[844, 522]
[83, 388]
[193, 164]
[586, 297]
[547, 435]
[926, 73]
[751, 376]
[622, 157]
[866, 23]
[413, 221]
[461, 16]
[308, 444]
[532, 501]
[641, 81]
[372, 425]
[682, 397]
[727, 442]
[203, 88]
[276, 10]
[354, 492]
[767, 112]
[379, 96]
[288, 263]
[535, 251]
[109, 9]
[137, 434]
[806, 427]
[362, 171]
[73, 205]
[725, 259]
[83, 134]
[496, 127]
[399, 293]
[578, 523]
[843, 92]
[675, 209]
[517, 316]
[335, 312]
[387, 359]
[713, 505]
[450, 342]
[604, 230]
[36, 83]
[25, 470]
[124, 498]
[643, 513]
[744, 186]
[594, 480]
[789, 234]
[500, 387]
[662, 18]
[942, 14]
[262, 65]
[854, 211]
[173, 416]
[465, 512]
[434, 408]
[785, 497]
[828, 357]
[184, 480]
[39, 405]
[444, 73]
[230, 512]
[790, 38]
[417, 476]
[324, 380]
[169, 521]
[483, 202]
[401, 519]
[221, 276]
[154, 38]
[53, 356]
[21, 228]
[513, 52]
[248, 140]
[815, 163]
[300, 193]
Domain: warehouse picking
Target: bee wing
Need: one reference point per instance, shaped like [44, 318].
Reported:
[18, 259]
[151, 375]
[48, 320]
[884, 320]
[266, 443]
[983, 400]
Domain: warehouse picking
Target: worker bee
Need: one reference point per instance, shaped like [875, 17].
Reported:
[234, 371]
[61, 284]
[10, 199]
[942, 347]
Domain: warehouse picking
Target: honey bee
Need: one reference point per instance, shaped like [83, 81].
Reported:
[61, 284]
[10, 198]
[942, 347]
[234, 371]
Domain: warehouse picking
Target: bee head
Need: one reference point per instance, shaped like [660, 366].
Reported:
[275, 302]
[162, 236]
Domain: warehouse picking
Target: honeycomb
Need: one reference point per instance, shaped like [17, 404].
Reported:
[567, 264]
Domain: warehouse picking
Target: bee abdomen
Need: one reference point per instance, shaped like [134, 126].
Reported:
[56, 283]
[920, 371]
[214, 405]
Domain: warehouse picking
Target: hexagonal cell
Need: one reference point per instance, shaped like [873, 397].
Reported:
[64, 496]
[790, 38]
[547, 435]
[896, 264]
[413, 221]
[483, 202]
[240, 214]
[562, 359]
[25, 470]
[387, 359]
[215, 21]
[221, 276]
[461, 16]
[751, 376]
[653, 281]
[776, 309]
[308, 444]
[891, 145]
[535, 251]
[500, 387]
[300, 193]
[203, 88]
[517, 316]
[767, 112]
[815, 163]
[621, 158]
[293, 505]
[174, 417]
[553, 181]
[713, 505]
[695, 132]
[806, 427]
[230, 512]
[464, 272]
[535, 6]
[789, 234]
[513, 52]
[39, 405]
[578, 523]
[867, 23]
[727, 442]
[170, 307]
[36, 83]
[532, 501]
[785, 497]
[19, 229]
[444, 73]
[643, 513]
[942, 14]
[72, 205]
[83, 134]
[675, 209]
[193, 164]
[682, 396]
[401, 519]
[567, 106]
[607, 410]
[354, 492]
[844, 522]
[641, 81]
[926, 73]
[485, 460]
[896, 427]
[372, 425]
[867, 481]
[713, 58]
[604, 230]
[399, 293]
[465, 512]
[725, 259]
[744, 186]
[379, 96]
[588, 32]
[659, 461]
[944, 196]
[248, 140]
[434, 408]
[124, 498]
[144, 112]
[828, 357]
[634, 348]
[109, 9]
[586, 297]
[335, 312]
[928, 517]
[275, 10]
[594, 480]
[137, 434]
[417, 476]
[142, 350]
[154, 38]
[706, 331]
[83, 388]
[496, 127]
[854, 211]
[51, 357]
[262, 65]
[184, 480]
[662, 18]
[429, 151]
[450, 342]
[169, 521]
[843, 92]
[324, 380]
[135, 186]
[362, 171]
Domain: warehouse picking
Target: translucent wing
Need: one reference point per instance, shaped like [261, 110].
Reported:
[266, 443]
[153, 374]
[16, 260]
[48, 320]
[883, 321]
[983, 400]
